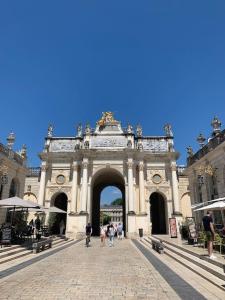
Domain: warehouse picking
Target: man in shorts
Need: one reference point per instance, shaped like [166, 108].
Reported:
[210, 232]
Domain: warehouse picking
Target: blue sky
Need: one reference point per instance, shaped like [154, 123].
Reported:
[109, 194]
[153, 62]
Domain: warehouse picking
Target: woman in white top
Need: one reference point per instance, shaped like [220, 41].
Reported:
[102, 235]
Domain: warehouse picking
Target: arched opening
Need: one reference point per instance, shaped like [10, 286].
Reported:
[106, 178]
[111, 206]
[158, 213]
[57, 221]
[186, 205]
[14, 188]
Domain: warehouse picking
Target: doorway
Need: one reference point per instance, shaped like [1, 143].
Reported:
[158, 213]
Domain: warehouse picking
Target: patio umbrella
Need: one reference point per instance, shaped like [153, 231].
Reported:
[44, 209]
[18, 202]
[220, 205]
[56, 210]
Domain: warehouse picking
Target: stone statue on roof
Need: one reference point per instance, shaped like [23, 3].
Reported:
[107, 118]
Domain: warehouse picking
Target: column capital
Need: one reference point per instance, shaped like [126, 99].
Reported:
[130, 164]
[141, 166]
[85, 163]
[174, 168]
[75, 166]
[44, 168]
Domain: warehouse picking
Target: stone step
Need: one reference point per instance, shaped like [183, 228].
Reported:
[8, 248]
[206, 265]
[19, 251]
[12, 252]
[15, 256]
[213, 262]
[211, 273]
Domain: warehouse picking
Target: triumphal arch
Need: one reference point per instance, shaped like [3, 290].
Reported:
[76, 169]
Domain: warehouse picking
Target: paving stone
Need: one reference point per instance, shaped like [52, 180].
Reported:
[97, 273]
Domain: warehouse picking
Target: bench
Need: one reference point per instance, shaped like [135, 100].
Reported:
[158, 246]
[42, 245]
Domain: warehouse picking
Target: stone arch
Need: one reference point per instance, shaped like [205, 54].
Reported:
[102, 178]
[59, 200]
[185, 205]
[14, 188]
[158, 212]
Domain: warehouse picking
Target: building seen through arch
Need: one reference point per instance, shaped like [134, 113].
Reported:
[142, 167]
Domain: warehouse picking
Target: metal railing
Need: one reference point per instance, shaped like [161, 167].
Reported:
[212, 144]
[34, 172]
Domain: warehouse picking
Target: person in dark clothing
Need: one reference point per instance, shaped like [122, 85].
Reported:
[210, 232]
[37, 223]
[88, 231]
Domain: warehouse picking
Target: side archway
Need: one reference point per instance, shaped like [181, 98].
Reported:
[14, 188]
[185, 204]
[158, 213]
[57, 221]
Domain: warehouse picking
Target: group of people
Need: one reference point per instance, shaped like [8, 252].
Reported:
[108, 231]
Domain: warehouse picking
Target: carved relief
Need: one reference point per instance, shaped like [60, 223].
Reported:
[155, 145]
[152, 173]
[108, 142]
[63, 146]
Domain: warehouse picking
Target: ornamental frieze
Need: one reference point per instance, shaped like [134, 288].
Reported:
[63, 146]
[155, 145]
[108, 142]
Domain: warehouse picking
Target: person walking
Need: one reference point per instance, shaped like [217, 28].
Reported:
[88, 231]
[111, 235]
[119, 231]
[102, 235]
[61, 227]
[37, 224]
[210, 232]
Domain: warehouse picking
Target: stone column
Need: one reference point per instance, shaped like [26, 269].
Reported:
[141, 187]
[130, 186]
[74, 188]
[84, 185]
[42, 184]
[176, 204]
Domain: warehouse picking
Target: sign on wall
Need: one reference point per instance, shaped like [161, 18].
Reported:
[173, 227]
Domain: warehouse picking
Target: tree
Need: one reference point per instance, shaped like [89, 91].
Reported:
[118, 201]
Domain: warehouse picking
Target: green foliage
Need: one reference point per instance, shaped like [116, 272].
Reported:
[20, 220]
[106, 219]
[118, 201]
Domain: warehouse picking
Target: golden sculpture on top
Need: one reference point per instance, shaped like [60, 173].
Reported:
[107, 118]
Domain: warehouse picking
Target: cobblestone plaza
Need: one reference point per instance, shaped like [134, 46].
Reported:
[119, 272]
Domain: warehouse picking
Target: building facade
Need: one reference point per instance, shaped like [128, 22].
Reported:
[75, 170]
[13, 172]
[114, 212]
[206, 169]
